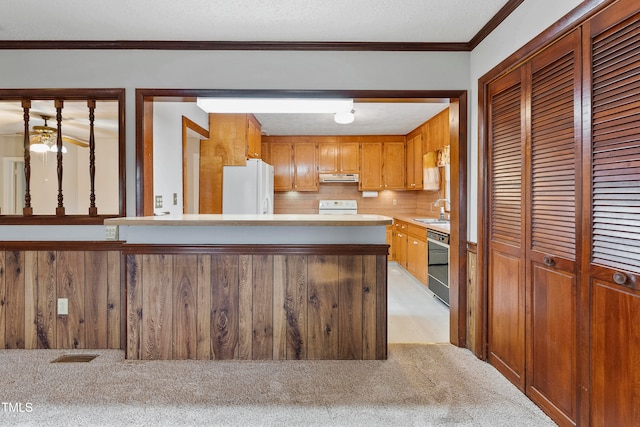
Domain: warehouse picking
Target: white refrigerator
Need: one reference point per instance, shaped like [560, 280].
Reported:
[248, 189]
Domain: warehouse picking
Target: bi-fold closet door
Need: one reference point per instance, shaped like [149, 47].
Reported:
[563, 181]
[534, 226]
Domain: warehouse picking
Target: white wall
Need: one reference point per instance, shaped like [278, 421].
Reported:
[229, 70]
[531, 18]
[167, 149]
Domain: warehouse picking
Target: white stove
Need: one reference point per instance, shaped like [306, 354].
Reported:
[338, 207]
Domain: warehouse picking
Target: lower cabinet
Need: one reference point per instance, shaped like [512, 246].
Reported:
[410, 249]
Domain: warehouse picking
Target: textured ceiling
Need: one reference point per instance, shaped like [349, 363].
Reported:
[399, 21]
[247, 20]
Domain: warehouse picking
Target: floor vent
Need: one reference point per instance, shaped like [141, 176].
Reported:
[75, 358]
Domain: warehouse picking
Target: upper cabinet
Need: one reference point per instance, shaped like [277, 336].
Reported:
[414, 162]
[337, 156]
[382, 165]
[430, 136]
[254, 138]
[295, 164]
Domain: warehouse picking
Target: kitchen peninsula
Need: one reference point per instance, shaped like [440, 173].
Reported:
[254, 286]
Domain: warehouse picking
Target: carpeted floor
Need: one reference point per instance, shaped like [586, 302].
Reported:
[419, 385]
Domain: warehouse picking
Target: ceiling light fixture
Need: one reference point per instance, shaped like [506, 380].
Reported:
[275, 105]
[344, 117]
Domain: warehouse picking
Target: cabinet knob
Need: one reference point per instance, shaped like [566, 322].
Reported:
[620, 278]
[548, 261]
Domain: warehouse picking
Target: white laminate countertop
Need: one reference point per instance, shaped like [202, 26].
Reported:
[311, 229]
[443, 228]
[254, 220]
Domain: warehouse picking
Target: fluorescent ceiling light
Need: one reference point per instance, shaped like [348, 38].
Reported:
[275, 105]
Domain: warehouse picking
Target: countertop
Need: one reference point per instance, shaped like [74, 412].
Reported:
[254, 220]
[443, 228]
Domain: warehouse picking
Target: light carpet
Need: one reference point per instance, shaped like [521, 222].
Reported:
[419, 385]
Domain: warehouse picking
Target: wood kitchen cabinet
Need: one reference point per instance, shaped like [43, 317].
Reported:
[295, 164]
[417, 252]
[400, 239]
[414, 162]
[254, 137]
[336, 156]
[371, 167]
[281, 158]
[382, 166]
[349, 157]
[393, 169]
[305, 166]
[410, 248]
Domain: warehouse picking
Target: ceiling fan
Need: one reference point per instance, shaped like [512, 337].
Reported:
[44, 138]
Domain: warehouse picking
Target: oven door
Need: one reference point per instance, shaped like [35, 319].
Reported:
[438, 269]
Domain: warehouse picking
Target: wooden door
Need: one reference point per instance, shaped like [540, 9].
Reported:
[328, 157]
[281, 156]
[305, 163]
[612, 45]
[349, 157]
[371, 166]
[554, 128]
[394, 166]
[506, 269]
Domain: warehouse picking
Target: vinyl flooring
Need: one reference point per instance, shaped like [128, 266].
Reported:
[415, 315]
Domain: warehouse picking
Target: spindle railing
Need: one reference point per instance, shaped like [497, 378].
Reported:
[97, 101]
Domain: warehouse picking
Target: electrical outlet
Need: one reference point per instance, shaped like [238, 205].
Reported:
[158, 201]
[111, 232]
[63, 306]
[175, 199]
[394, 202]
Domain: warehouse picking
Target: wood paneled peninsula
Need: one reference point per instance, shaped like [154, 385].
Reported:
[255, 286]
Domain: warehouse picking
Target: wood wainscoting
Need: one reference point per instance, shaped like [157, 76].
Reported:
[256, 302]
[33, 275]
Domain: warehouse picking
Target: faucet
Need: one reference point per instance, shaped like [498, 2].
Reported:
[447, 202]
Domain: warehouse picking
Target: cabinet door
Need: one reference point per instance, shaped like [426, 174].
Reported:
[400, 246]
[612, 45]
[414, 163]
[281, 156]
[371, 166]
[253, 138]
[417, 162]
[349, 157]
[328, 157]
[305, 165]
[506, 269]
[394, 166]
[552, 374]
[411, 164]
[417, 258]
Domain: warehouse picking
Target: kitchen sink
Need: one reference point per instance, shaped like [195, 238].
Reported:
[432, 220]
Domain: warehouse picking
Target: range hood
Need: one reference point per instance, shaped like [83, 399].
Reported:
[339, 177]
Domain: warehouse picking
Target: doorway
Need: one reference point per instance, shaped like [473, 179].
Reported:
[145, 99]
[14, 185]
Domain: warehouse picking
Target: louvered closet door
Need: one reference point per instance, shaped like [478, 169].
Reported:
[551, 228]
[614, 148]
[506, 267]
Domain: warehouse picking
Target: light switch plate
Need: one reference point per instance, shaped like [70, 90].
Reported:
[111, 232]
[63, 306]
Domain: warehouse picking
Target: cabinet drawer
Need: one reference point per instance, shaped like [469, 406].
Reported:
[418, 232]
